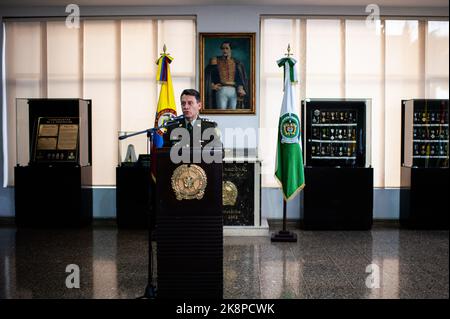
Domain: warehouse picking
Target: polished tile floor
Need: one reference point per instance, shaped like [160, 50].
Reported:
[322, 264]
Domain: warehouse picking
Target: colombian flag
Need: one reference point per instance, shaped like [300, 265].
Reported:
[166, 103]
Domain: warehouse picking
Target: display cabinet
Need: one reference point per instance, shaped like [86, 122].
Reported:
[53, 132]
[425, 164]
[337, 157]
[53, 173]
[337, 133]
[425, 133]
[134, 184]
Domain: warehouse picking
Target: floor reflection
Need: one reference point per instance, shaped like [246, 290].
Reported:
[329, 264]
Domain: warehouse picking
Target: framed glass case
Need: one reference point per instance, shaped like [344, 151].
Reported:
[132, 148]
[336, 132]
[425, 133]
[53, 132]
[53, 173]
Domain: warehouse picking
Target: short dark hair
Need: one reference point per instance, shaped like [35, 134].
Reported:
[227, 42]
[191, 92]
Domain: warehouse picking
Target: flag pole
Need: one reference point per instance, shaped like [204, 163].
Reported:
[150, 289]
[284, 235]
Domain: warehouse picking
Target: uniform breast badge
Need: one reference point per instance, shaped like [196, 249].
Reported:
[189, 182]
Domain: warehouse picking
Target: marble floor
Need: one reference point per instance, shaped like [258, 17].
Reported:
[322, 264]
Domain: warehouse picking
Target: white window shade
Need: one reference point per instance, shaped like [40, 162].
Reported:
[364, 79]
[275, 36]
[387, 62]
[138, 94]
[436, 64]
[324, 60]
[112, 62]
[23, 75]
[102, 85]
[63, 58]
[403, 81]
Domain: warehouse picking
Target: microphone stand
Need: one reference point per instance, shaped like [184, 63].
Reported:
[150, 289]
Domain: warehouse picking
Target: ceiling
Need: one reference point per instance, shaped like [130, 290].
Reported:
[390, 3]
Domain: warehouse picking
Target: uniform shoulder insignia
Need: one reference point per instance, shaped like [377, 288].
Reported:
[210, 123]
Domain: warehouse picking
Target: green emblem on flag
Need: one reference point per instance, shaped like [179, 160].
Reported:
[289, 162]
[289, 128]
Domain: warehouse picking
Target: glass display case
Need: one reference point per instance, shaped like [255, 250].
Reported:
[424, 171]
[337, 157]
[336, 132]
[425, 136]
[134, 185]
[53, 173]
[53, 132]
[132, 148]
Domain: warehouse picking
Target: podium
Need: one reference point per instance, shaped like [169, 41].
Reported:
[189, 227]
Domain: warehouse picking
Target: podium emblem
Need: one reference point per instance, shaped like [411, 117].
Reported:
[189, 182]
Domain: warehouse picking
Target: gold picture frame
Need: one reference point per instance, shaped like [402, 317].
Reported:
[227, 73]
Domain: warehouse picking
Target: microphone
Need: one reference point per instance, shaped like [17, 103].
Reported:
[152, 130]
[173, 120]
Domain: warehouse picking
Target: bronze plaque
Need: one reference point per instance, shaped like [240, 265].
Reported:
[238, 194]
[48, 129]
[56, 140]
[68, 137]
[46, 143]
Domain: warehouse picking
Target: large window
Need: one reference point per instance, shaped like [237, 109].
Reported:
[387, 61]
[111, 62]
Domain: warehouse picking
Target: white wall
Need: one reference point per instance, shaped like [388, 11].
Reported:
[215, 19]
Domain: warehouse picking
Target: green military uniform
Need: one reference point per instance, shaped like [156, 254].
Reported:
[199, 123]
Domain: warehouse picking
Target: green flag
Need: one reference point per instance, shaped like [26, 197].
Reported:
[289, 163]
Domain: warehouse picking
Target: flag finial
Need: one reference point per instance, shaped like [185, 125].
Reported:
[164, 50]
[288, 54]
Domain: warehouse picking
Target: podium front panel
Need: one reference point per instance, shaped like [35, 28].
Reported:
[189, 233]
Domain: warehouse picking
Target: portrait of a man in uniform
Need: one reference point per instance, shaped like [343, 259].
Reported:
[227, 79]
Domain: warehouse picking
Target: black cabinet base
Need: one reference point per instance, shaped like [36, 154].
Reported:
[53, 196]
[134, 197]
[424, 200]
[338, 199]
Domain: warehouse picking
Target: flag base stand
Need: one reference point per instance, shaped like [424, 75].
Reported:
[284, 236]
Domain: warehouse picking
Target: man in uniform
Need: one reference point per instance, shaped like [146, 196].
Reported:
[226, 81]
[201, 131]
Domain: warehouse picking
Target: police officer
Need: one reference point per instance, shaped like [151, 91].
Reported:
[201, 131]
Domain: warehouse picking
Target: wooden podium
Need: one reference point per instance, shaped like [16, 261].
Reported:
[189, 232]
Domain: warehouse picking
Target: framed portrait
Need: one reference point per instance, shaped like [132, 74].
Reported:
[227, 73]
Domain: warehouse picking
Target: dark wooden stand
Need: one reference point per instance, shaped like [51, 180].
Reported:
[134, 193]
[53, 196]
[338, 198]
[424, 200]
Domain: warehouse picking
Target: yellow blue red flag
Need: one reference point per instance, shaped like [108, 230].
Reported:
[166, 109]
